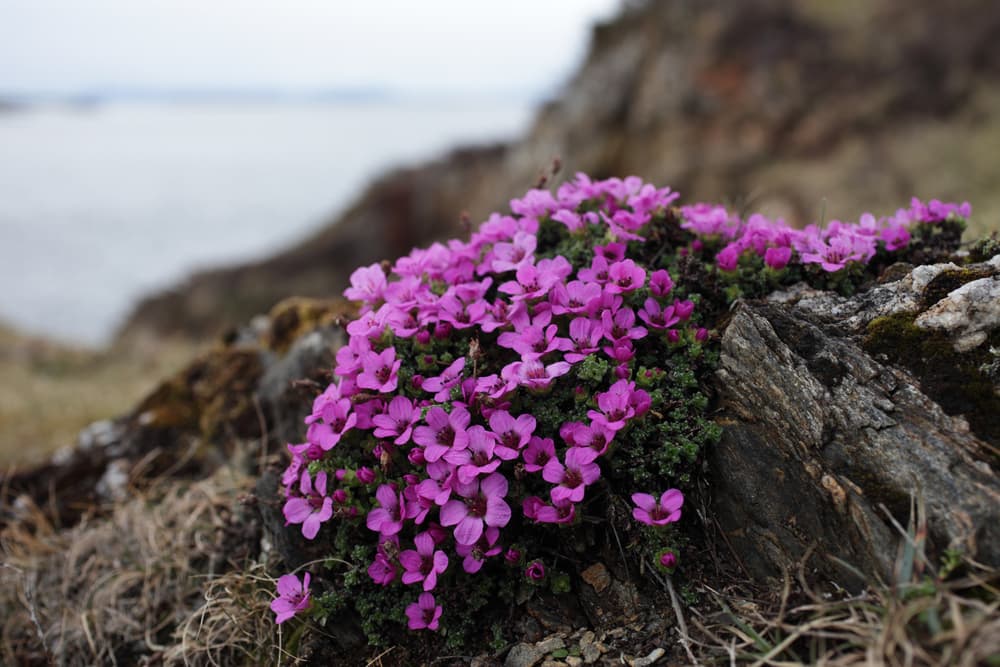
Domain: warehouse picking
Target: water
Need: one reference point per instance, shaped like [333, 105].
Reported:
[99, 207]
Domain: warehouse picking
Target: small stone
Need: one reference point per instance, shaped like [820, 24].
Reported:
[549, 644]
[553, 663]
[523, 655]
[590, 653]
[650, 659]
[574, 661]
[597, 576]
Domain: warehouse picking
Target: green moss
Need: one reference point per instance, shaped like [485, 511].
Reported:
[956, 381]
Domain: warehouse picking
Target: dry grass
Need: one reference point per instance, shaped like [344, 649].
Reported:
[48, 391]
[170, 577]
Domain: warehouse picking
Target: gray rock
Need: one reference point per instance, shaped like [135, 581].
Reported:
[819, 437]
[968, 314]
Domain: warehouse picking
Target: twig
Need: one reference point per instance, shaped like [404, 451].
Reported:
[679, 613]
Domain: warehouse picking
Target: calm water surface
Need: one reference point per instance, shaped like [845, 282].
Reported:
[99, 207]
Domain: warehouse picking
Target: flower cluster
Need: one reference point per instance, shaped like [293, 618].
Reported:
[448, 434]
[832, 246]
[488, 385]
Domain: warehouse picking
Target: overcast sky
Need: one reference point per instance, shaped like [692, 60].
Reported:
[418, 45]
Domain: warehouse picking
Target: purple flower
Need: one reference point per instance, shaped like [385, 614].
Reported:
[330, 420]
[424, 564]
[658, 513]
[621, 326]
[381, 570]
[474, 554]
[668, 560]
[424, 613]
[397, 421]
[598, 271]
[476, 459]
[777, 258]
[365, 475]
[510, 256]
[562, 512]
[312, 508]
[443, 432]
[656, 316]
[482, 502]
[513, 434]
[380, 371]
[573, 297]
[728, 258]
[367, 285]
[442, 384]
[585, 336]
[625, 277]
[535, 571]
[579, 472]
[660, 283]
[293, 597]
[538, 452]
[534, 374]
[388, 519]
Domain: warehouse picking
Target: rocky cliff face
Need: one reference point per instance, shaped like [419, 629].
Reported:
[799, 109]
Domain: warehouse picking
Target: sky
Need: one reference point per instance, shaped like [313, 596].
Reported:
[73, 46]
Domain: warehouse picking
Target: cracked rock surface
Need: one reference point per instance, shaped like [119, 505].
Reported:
[822, 442]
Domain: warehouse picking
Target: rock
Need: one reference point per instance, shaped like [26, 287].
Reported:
[968, 314]
[650, 659]
[597, 576]
[523, 655]
[820, 439]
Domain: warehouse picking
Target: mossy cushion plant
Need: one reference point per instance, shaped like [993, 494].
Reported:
[498, 397]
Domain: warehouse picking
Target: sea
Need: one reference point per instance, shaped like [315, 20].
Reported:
[101, 204]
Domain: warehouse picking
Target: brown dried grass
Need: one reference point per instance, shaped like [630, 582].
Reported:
[155, 582]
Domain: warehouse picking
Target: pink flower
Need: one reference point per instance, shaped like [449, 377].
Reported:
[293, 597]
[381, 570]
[442, 384]
[562, 512]
[482, 502]
[424, 564]
[380, 371]
[476, 459]
[311, 509]
[668, 560]
[538, 452]
[653, 513]
[510, 256]
[534, 374]
[660, 283]
[728, 258]
[585, 336]
[397, 421]
[625, 277]
[579, 472]
[621, 326]
[475, 554]
[424, 613]
[388, 519]
[330, 420]
[573, 297]
[777, 258]
[367, 285]
[535, 571]
[443, 432]
[512, 433]
[657, 317]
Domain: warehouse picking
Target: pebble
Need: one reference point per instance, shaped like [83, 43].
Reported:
[650, 659]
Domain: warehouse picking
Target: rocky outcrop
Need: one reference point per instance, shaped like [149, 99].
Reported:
[835, 426]
[799, 109]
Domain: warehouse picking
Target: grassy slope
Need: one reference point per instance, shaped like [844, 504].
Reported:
[49, 391]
